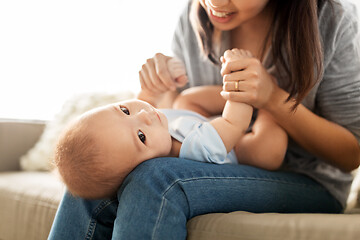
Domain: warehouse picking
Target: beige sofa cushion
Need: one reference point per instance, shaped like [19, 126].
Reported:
[28, 204]
[29, 201]
[271, 226]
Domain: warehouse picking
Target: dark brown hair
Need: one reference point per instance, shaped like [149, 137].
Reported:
[294, 37]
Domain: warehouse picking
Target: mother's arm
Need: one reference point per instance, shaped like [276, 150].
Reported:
[327, 140]
[324, 138]
[334, 134]
[331, 135]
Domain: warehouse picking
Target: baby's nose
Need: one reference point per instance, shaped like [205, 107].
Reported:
[144, 115]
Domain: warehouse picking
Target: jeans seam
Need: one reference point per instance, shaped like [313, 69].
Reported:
[90, 232]
[162, 205]
[159, 217]
[251, 178]
[239, 178]
[93, 222]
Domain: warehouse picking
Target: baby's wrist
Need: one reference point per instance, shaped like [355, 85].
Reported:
[237, 113]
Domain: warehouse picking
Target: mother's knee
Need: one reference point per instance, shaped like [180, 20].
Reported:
[153, 169]
[158, 173]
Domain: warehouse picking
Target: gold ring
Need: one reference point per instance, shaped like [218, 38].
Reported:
[237, 86]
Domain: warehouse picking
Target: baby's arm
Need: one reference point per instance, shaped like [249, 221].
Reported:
[236, 116]
[205, 100]
[165, 99]
[231, 126]
[265, 146]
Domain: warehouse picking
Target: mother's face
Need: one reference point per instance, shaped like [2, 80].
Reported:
[229, 14]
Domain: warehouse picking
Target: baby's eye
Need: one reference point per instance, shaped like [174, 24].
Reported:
[125, 110]
[141, 136]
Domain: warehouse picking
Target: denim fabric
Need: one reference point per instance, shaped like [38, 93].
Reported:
[160, 195]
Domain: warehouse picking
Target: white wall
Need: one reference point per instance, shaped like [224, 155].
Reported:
[52, 49]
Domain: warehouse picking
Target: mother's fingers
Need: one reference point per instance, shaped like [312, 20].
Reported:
[232, 66]
[239, 65]
[142, 81]
[240, 75]
[243, 97]
[231, 86]
[236, 86]
[162, 71]
[154, 78]
[145, 80]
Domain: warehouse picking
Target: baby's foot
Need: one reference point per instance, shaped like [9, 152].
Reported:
[234, 58]
[235, 54]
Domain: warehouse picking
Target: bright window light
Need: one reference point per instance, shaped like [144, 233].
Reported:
[51, 50]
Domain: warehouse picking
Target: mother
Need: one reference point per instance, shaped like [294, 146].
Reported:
[306, 74]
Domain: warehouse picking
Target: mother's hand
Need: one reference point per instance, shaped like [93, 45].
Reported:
[255, 85]
[155, 76]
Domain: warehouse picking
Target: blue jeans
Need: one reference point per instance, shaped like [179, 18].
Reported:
[160, 195]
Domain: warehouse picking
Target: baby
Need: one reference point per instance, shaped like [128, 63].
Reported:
[98, 150]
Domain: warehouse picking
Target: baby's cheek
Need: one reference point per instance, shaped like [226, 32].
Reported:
[167, 144]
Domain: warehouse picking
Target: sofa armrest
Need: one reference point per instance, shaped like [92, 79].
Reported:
[16, 138]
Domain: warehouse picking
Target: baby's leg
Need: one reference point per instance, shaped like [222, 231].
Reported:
[265, 146]
[205, 100]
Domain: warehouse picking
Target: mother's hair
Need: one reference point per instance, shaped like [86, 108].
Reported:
[294, 35]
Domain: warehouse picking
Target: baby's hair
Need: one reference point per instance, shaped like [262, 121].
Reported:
[82, 166]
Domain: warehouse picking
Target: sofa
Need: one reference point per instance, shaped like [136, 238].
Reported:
[30, 190]
[29, 199]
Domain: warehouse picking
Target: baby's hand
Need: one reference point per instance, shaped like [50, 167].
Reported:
[177, 71]
[232, 58]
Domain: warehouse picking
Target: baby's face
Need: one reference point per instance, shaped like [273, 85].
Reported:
[129, 132]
